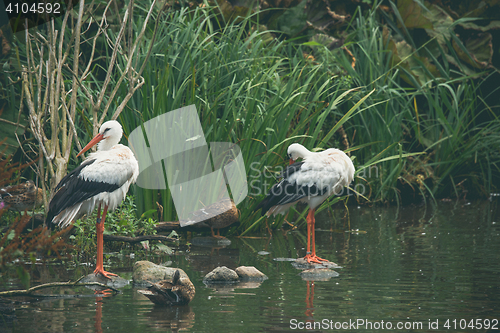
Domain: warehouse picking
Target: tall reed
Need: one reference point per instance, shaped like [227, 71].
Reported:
[258, 93]
[444, 117]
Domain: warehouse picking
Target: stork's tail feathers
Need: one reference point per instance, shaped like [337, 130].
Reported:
[64, 218]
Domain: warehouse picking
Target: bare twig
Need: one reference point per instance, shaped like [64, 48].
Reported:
[100, 30]
[138, 77]
[30, 291]
[72, 124]
[11, 123]
[35, 126]
[138, 239]
[56, 76]
[110, 70]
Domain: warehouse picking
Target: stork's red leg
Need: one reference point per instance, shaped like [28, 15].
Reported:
[312, 257]
[100, 242]
[314, 241]
[308, 219]
[99, 258]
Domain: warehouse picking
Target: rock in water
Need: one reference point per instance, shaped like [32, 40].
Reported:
[318, 274]
[250, 273]
[114, 281]
[146, 272]
[301, 263]
[221, 275]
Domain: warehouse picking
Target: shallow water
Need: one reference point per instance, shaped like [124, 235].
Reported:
[417, 267]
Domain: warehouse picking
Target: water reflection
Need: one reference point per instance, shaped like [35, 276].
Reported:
[170, 319]
[98, 314]
[205, 258]
[309, 300]
[409, 264]
[311, 276]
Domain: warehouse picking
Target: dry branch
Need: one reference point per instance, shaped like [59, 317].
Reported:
[57, 81]
[138, 239]
[174, 225]
[30, 291]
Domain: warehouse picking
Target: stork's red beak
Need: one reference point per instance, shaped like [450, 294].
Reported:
[291, 162]
[92, 142]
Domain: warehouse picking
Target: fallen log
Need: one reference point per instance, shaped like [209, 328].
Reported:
[167, 226]
[30, 291]
[138, 239]
[174, 225]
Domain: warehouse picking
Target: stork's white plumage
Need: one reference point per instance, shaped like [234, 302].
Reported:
[102, 179]
[315, 178]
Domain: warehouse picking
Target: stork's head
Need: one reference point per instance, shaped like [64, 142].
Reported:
[296, 151]
[109, 135]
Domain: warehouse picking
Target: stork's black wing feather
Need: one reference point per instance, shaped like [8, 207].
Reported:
[73, 189]
[291, 169]
[285, 192]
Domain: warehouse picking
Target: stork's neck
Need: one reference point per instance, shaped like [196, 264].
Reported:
[303, 151]
[107, 143]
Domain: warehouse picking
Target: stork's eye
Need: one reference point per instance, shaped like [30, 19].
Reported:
[107, 129]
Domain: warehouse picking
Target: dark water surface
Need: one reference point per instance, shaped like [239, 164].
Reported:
[425, 269]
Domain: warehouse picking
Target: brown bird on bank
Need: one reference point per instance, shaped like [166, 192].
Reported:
[24, 196]
[229, 215]
[223, 213]
[178, 291]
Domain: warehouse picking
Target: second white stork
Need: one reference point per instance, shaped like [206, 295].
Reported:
[102, 179]
[315, 178]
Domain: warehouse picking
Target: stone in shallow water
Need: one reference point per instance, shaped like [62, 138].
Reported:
[250, 273]
[221, 275]
[301, 263]
[115, 281]
[318, 274]
[224, 279]
[146, 271]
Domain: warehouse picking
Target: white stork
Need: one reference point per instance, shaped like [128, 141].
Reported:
[312, 180]
[102, 179]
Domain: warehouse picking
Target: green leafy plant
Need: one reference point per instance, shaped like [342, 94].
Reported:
[120, 222]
